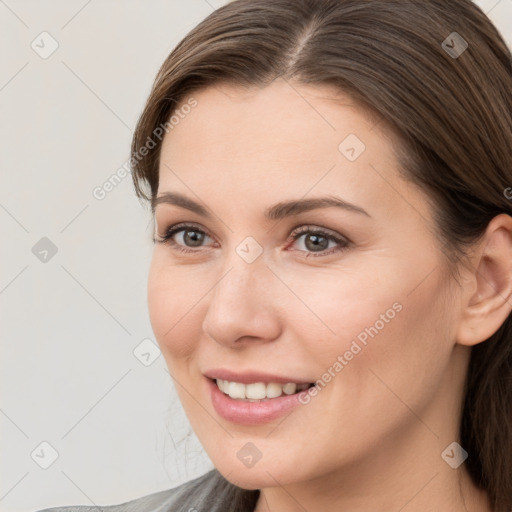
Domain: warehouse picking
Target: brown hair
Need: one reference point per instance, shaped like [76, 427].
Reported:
[451, 108]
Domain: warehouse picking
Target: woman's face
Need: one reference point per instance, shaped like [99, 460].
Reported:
[268, 287]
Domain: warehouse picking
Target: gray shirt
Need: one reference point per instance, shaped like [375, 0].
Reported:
[210, 492]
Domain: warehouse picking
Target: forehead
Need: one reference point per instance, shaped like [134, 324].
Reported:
[283, 121]
[284, 139]
[270, 109]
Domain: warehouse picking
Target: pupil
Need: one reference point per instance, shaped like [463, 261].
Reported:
[195, 237]
[318, 242]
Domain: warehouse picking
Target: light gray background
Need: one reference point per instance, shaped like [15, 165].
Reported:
[70, 325]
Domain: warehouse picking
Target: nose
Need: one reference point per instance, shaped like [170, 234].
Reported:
[242, 306]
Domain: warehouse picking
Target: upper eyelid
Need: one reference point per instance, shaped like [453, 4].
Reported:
[303, 227]
[178, 226]
[167, 225]
[295, 232]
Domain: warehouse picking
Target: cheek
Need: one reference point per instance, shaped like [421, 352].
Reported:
[403, 353]
[394, 324]
[340, 304]
[174, 301]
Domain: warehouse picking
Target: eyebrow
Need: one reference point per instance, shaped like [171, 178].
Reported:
[276, 212]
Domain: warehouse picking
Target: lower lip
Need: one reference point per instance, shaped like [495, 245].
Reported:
[251, 413]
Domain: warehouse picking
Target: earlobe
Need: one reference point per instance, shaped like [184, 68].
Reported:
[489, 305]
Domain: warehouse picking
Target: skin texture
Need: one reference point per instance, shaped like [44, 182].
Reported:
[372, 438]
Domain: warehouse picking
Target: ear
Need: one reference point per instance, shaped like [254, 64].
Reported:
[489, 300]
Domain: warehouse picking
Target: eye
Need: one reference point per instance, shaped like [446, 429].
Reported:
[184, 237]
[189, 238]
[318, 242]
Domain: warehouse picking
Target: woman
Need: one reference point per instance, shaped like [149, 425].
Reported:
[331, 281]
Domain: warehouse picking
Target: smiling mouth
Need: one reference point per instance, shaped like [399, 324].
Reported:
[259, 391]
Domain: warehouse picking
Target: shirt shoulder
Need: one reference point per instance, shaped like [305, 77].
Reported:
[210, 489]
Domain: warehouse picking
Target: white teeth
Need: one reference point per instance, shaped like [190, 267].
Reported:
[258, 390]
[223, 385]
[236, 390]
[290, 388]
[274, 390]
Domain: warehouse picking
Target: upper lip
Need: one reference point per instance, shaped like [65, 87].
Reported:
[250, 377]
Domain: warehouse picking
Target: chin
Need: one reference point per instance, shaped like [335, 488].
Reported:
[250, 479]
[261, 475]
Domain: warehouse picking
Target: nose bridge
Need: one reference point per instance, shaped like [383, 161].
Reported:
[241, 283]
[240, 303]
[244, 272]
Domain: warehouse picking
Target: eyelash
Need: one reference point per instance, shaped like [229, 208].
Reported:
[171, 231]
